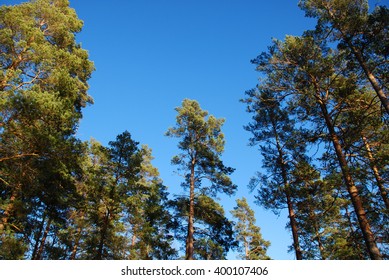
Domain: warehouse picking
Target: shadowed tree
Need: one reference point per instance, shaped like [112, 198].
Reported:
[43, 88]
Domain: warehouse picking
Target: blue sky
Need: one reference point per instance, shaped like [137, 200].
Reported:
[151, 54]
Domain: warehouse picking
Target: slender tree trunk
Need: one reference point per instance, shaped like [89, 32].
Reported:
[354, 235]
[133, 241]
[79, 221]
[362, 62]
[38, 238]
[103, 235]
[351, 188]
[317, 237]
[379, 180]
[76, 244]
[316, 226]
[190, 236]
[370, 76]
[292, 215]
[38, 256]
[293, 224]
[246, 249]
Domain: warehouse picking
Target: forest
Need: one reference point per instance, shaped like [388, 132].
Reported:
[319, 117]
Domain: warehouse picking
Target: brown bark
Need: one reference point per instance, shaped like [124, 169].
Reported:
[370, 76]
[351, 188]
[292, 215]
[39, 253]
[379, 180]
[293, 224]
[362, 62]
[17, 156]
[76, 244]
[317, 238]
[190, 237]
[38, 238]
[103, 233]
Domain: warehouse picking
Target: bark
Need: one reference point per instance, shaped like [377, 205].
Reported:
[76, 244]
[317, 237]
[293, 224]
[103, 235]
[316, 226]
[133, 241]
[246, 249]
[350, 223]
[292, 215]
[351, 188]
[43, 241]
[190, 236]
[362, 62]
[370, 76]
[379, 180]
[38, 238]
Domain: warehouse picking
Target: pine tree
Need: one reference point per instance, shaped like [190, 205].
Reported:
[274, 132]
[213, 232]
[202, 144]
[315, 75]
[248, 234]
[364, 35]
[150, 222]
[43, 84]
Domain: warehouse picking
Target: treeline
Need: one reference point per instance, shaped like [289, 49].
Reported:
[320, 120]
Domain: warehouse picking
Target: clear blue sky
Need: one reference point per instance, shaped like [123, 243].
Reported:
[151, 54]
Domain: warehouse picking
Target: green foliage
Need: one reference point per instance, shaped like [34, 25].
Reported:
[43, 83]
[248, 234]
[202, 143]
[213, 234]
[325, 91]
[330, 91]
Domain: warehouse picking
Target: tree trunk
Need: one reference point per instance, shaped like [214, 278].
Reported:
[190, 236]
[246, 249]
[38, 238]
[317, 236]
[103, 234]
[76, 244]
[38, 256]
[360, 251]
[379, 180]
[362, 62]
[293, 225]
[292, 215]
[370, 76]
[351, 188]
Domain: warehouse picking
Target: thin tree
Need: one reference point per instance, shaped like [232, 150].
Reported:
[247, 233]
[274, 132]
[201, 143]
